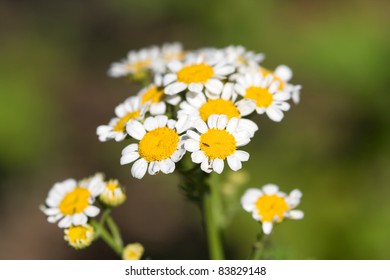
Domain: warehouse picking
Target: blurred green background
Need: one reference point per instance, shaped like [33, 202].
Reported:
[334, 145]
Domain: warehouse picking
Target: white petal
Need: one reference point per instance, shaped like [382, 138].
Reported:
[158, 108]
[175, 88]
[193, 135]
[232, 125]
[234, 163]
[195, 99]
[296, 214]
[65, 222]
[281, 96]
[92, 211]
[191, 145]
[50, 211]
[242, 155]
[150, 123]
[242, 138]
[267, 227]
[246, 106]
[54, 219]
[214, 86]
[135, 129]
[139, 168]
[270, 189]
[198, 156]
[225, 70]
[228, 91]
[161, 120]
[205, 166]
[195, 87]
[274, 113]
[248, 200]
[169, 78]
[218, 165]
[167, 166]
[129, 157]
[153, 168]
[201, 126]
[222, 121]
[284, 72]
[175, 65]
[130, 148]
[79, 219]
[212, 121]
[177, 155]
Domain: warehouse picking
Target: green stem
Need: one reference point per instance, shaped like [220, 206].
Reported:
[115, 232]
[212, 228]
[258, 247]
[105, 235]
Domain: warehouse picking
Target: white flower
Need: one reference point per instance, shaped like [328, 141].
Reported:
[168, 52]
[160, 145]
[239, 56]
[263, 91]
[269, 205]
[135, 63]
[70, 202]
[216, 141]
[195, 74]
[113, 194]
[130, 109]
[197, 105]
[283, 75]
[79, 237]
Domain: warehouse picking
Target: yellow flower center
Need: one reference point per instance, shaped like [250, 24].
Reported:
[217, 143]
[266, 72]
[154, 95]
[261, 95]
[271, 206]
[196, 73]
[139, 65]
[75, 201]
[112, 185]
[79, 236]
[158, 144]
[218, 106]
[133, 251]
[120, 126]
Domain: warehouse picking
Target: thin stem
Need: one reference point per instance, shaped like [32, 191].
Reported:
[105, 235]
[115, 232]
[258, 247]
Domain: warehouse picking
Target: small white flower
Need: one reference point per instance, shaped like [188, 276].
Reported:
[79, 237]
[239, 56]
[196, 74]
[160, 145]
[113, 194]
[168, 52]
[197, 105]
[70, 202]
[130, 109]
[216, 141]
[269, 205]
[263, 91]
[135, 63]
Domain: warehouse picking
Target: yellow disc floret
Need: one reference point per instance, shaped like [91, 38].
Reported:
[196, 73]
[79, 237]
[217, 143]
[261, 95]
[153, 95]
[139, 65]
[75, 201]
[218, 106]
[113, 194]
[133, 251]
[120, 126]
[158, 144]
[270, 207]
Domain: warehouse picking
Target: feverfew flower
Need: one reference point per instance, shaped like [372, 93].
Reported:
[195, 74]
[70, 202]
[216, 141]
[133, 251]
[269, 205]
[136, 63]
[160, 145]
[79, 237]
[131, 109]
[239, 56]
[113, 194]
[198, 105]
[168, 52]
[263, 91]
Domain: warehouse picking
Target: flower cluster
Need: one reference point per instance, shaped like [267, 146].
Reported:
[198, 101]
[71, 203]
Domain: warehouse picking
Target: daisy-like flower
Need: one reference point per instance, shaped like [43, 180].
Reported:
[198, 105]
[195, 74]
[168, 53]
[239, 56]
[155, 99]
[283, 75]
[263, 91]
[160, 145]
[113, 194]
[133, 251]
[130, 109]
[79, 237]
[136, 63]
[70, 202]
[269, 205]
[217, 140]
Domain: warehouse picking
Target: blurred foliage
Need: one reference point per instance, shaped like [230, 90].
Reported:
[334, 146]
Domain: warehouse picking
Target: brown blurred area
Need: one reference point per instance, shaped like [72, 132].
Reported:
[334, 145]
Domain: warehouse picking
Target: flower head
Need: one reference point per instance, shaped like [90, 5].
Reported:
[70, 202]
[113, 194]
[133, 251]
[217, 140]
[160, 145]
[79, 237]
[131, 109]
[269, 205]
